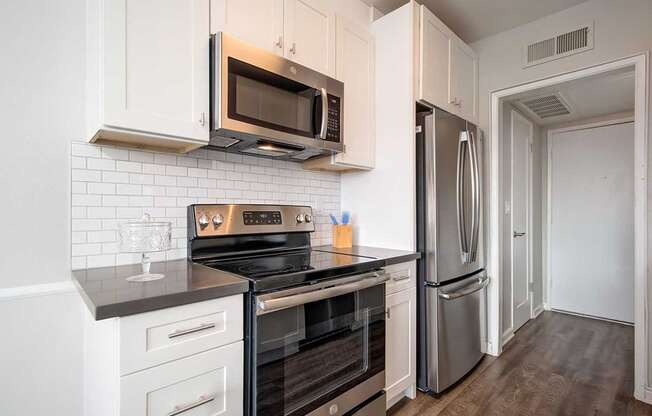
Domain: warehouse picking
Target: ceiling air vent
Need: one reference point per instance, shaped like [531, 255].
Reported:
[559, 45]
[551, 105]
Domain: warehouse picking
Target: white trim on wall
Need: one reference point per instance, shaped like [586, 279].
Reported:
[494, 300]
[30, 291]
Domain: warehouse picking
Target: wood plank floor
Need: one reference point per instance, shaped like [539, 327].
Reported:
[556, 364]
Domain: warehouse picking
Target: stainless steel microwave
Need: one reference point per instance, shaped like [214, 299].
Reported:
[265, 105]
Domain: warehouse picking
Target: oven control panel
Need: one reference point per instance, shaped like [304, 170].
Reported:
[262, 217]
[213, 220]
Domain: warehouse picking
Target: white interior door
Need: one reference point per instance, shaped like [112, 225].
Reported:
[522, 136]
[592, 222]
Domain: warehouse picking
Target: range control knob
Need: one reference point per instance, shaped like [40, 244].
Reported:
[300, 218]
[307, 217]
[203, 220]
[218, 219]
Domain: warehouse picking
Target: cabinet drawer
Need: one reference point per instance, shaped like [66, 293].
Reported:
[157, 337]
[402, 276]
[206, 384]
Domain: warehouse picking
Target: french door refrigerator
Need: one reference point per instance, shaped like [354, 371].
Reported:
[451, 270]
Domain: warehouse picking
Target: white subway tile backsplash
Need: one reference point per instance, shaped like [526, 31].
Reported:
[111, 185]
[100, 188]
[115, 153]
[135, 167]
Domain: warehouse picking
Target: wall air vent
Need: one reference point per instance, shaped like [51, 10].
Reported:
[558, 45]
[547, 106]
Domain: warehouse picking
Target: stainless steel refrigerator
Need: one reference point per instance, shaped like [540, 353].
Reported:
[451, 273]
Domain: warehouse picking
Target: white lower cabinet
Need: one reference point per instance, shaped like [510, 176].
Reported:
[401, 327]
[209, 384]
[181, 360]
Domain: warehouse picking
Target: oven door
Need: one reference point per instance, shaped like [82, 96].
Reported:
[261, 99]
[319, 350]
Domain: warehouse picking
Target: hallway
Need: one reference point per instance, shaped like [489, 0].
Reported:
[557, 364]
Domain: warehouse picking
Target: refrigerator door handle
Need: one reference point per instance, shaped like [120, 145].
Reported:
[461, 215]
[479, 284]
[475, 201]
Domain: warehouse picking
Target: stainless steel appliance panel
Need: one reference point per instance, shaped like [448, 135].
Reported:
[453, 198]
[454, 330]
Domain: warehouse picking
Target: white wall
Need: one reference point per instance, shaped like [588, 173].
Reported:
[42, 90]
[42, 75]
[622, 29]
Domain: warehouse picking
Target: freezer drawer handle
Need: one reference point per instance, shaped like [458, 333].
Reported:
[480, 284]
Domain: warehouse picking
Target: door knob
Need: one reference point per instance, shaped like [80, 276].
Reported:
[518, 234]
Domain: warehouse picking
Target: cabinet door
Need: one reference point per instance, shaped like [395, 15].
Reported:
[434, 61]
[310, 34]
[355, 67]
[210, 383]
[156, 74]
[400, 344]
[258, 22]
[464, 79]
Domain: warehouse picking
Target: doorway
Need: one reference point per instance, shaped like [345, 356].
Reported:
[501, 300]
[591, 220]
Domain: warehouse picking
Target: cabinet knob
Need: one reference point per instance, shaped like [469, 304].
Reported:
[279, 42]
[202, 119]
[293, 49]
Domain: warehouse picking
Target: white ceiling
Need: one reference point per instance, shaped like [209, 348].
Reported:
[594, 96]
[473, 20]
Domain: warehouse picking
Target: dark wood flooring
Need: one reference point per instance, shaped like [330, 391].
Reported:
[556, 364]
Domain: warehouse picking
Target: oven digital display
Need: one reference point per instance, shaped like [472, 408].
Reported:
[262, 217]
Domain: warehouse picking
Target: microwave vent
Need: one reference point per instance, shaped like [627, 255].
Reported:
[223, 142]
[558, 45]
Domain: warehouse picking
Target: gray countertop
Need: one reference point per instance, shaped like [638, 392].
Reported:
[107, 294]
[388, 256]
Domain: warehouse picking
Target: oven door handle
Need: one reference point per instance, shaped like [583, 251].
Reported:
[273, 304]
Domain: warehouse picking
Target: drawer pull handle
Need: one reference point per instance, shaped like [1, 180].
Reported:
[182, 409]
[182, 332]
[400, 277]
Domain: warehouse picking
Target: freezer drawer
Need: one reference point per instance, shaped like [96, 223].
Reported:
[454, 327]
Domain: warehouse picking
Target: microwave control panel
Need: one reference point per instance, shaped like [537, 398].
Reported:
[333, 132]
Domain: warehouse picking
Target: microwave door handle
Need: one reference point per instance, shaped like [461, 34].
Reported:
[324, 114]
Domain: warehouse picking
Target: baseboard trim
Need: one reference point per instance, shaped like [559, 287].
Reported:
[507, 336]
[581, 315]
[537, 311]
[31, 291]
[646, 396]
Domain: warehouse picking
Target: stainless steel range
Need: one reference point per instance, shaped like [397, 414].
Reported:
[315, 320]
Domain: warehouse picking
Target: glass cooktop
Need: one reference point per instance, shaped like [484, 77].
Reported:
[280, 270]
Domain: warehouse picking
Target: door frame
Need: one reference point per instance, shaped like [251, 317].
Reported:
[508, 333]
[547, 258]
[494, 297]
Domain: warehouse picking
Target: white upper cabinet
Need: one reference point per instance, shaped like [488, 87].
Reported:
[310, 34]
[355, 67]
[463, 80]
[448, 69]
[148, 80]
[258, 22]
[300, 30]
[434, 42]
